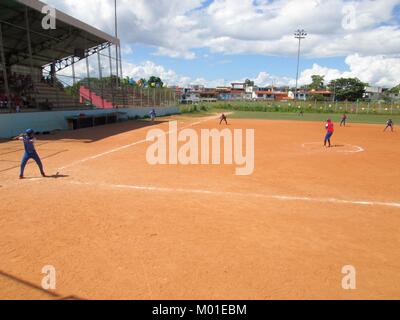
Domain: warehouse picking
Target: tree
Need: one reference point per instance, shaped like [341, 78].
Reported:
[395, 89]
[249, 83]
[351, 89]
[155, 82]
[317, 82]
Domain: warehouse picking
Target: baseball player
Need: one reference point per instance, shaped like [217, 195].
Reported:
[28, 138]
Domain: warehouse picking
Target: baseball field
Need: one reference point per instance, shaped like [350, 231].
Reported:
[115, 227]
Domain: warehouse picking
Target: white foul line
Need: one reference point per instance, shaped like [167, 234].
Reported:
[127, 146]
[238, 194]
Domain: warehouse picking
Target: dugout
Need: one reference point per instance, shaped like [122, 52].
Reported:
[92, 120]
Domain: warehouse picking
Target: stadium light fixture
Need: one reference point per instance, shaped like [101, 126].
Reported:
[299, 34]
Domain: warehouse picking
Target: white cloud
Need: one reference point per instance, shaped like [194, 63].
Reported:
[364, 31]
[177, 27]
[380, 70]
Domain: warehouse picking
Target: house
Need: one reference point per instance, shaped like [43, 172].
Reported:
[237, 94]
[249, 92]
[223, 93]
[283, 96]
[238, 86]
[208, 95]
[394, 96]
[263, 95]
[189, 97]
[196, 88]
[270, 94]
[237, 91]
[374, 93]
[310, 94]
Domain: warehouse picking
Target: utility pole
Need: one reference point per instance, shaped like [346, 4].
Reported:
[299, 34]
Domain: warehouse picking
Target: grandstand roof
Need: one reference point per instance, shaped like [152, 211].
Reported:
[47, 45]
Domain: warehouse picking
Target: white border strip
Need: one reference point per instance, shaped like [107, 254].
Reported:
[237, 194]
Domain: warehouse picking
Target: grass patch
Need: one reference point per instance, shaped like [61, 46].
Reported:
[360, 118]
[307, 107]
[264, 112]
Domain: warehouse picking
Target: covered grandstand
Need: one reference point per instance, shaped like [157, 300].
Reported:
[39, 66]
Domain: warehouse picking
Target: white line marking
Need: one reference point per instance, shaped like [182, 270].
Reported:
[356, 149]
[127, 146]
[238, 194]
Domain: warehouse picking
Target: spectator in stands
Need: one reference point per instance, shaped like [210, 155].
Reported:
[3, 101]
[13, 78]
[47, 105]
[29, 83]
[24, 101]
[16, 101]
[19, 82]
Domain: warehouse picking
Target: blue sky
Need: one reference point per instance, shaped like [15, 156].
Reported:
[218, 41]
[224, 66]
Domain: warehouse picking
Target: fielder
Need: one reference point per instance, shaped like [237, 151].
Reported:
[153, 115]
[223, 118]
[389, 124]
[344, 120]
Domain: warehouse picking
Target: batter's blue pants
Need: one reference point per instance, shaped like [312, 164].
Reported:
[26, 158]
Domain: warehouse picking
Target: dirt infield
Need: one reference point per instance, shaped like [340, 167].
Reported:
[115, 227]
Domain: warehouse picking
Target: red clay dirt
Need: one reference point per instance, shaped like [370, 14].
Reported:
[115, 227]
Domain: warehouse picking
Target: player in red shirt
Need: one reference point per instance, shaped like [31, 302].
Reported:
[329, 132]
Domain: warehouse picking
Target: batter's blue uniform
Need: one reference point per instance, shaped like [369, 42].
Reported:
[30, 153]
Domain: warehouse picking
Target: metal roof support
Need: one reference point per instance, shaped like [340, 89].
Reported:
[117, 64]
[63, 63]
[101, 79]
[88, 78]
[124, 93]
[28, 38]
[74, 83]
[3, 64]
[111, 78]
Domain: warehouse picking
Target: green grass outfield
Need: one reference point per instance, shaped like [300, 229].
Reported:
[199, 111]
[352, 118]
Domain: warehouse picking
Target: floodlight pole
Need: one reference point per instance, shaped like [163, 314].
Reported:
[299, 34]
[116, 36]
